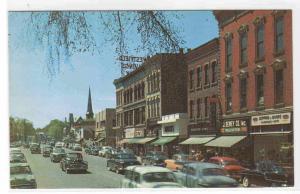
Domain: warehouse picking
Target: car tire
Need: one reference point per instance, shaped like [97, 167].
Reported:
[245, 181]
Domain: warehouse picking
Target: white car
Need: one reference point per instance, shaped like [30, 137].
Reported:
[104, 150]
[59, 144]
[15, 150]
[149, 177]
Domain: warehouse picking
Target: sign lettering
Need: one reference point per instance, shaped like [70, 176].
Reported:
[272, 119]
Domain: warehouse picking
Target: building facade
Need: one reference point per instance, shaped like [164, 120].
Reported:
[256, 82]
[104, 133]
[202, 94]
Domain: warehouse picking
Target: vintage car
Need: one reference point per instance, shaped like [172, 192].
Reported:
[59, 145]
[149, 177]
[95, 150]
[57, 154]
[119, 161]
[46, 151]
[35, 148]
[15, 150]
[202, 174]
[177, 161]
[231, 165]
[154, 158]
[77, 147]
[17, 158]
[25, 145]
[264, 173]
[73, 162]
[103, 151]
[21, 176]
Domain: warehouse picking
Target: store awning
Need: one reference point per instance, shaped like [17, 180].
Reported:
[123, 141]
[225, 141]
[145, 140]
[163, 140]
[100, 139]
[196, 140]
[134, 140]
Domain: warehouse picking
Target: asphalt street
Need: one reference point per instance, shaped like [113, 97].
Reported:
[50, 176]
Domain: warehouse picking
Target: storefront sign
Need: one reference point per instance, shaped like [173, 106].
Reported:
[272, 119]
[234, 126]
[139, 132]
[129, 133]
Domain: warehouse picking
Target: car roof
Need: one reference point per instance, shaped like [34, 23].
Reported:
[147, 169]
[15, 149]
[18, 164]
[202, 165]
[223, 158]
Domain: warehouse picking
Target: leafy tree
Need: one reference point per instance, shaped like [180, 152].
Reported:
[20, 129]
[55, 129]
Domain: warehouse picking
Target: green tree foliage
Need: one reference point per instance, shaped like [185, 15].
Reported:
[20, 129]
[55, 129]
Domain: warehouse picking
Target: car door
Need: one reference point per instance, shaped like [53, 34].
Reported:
[191, 177]
[127, 179]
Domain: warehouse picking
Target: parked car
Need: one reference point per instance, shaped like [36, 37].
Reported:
[25, 145]
[149, 177]
[127, 150]
[177, 161]
[231, 165]
[59, 145]
[47, 150]
[119, 161]
[21, 176]
[104, 150]
[154, 158]
[73, 162]
[264, 173]
[57, 154]
[77, 147]
[15, 150]
[202, 174]
[95, 150]
[17, 158]
[35, 148]
[110, 152]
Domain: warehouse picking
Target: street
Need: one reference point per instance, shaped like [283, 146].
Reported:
[50, 176]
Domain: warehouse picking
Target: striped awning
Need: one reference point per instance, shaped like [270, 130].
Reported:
[196, 140]
[225, 141]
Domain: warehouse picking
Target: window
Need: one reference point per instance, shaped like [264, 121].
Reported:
[278, 86]
[169, 129]
[243, 48]
[213, 113]
[243, 93]
[260, 90]
[191, 79]
[206, 106]
[198, 108]
[199, 76]
[228, 97]
[228, 51]
[191, 108]
[206, 74]
[214, 72]
[279, 42]
[260, 42]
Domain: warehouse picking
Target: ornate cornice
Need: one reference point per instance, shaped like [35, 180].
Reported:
[259, 69]
[228, 35]
[228, 78]
[279, 64]
[243, 74]
[259, 20]
[278, 13]
[243, 29]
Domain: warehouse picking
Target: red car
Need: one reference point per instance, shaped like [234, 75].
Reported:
[231, 165]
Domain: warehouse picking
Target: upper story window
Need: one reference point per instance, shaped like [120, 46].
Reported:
[199, 76]
[206, 74]
[243, 48]
[260, 90]
[278, 86]
[228, 52]
[214, 72]
[243, 92]
[191, 79]
[206, 106]
[228, 94]
[259, 23]
[279, 34]
[191, 109]
[198, 107]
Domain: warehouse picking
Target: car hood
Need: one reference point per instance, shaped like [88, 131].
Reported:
[234, 168]
[21, 178]
[161, 185]
[221, 181]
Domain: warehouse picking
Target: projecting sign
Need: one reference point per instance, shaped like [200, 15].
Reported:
[234, 126]
[272, 119]
[129, 63]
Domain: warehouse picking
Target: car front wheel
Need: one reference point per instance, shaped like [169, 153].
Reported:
[245, 181]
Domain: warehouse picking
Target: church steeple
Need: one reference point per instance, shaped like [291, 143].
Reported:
[89, 112]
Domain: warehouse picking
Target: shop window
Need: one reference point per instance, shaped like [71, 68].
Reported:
[228, 97]
[191, 79]
[279, 34]
[243, 48]
[169, 129]
[243, 93]
[191, 108]
[199, 72]
[278, 86]
[260, 41]
[214, 72]
[260, 90]
[198, 108]
[228, 50]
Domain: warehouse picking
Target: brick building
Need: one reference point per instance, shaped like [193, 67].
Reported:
[256, 88]
[202, 93]
[154, 89]
[104, 133]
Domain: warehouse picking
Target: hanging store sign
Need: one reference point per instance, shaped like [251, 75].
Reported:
[272, 119]
[129, 63]
[234, 126]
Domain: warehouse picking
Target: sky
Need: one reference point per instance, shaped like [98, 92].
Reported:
[36, 97]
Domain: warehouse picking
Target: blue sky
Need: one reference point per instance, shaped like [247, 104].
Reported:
[33, 96]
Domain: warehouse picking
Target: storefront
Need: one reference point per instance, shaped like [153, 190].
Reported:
[273, 137]
[233, 140]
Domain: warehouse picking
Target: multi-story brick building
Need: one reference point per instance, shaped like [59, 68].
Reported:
[154, 89]
[256, 83]
[104, 133]
[202, 91]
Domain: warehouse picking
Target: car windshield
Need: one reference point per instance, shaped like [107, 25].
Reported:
[159, 177]
[20, 170]
[59, 150]
[125, 156]
[231, 162]
[160, 154]
[214, 172]
[15, 151]
[74, 156]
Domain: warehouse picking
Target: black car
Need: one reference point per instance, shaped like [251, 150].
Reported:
[264, 173]
[46, 151]
[73, 162]
[119, 161]
[155, 158]
[35, 148]
[57, 154]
